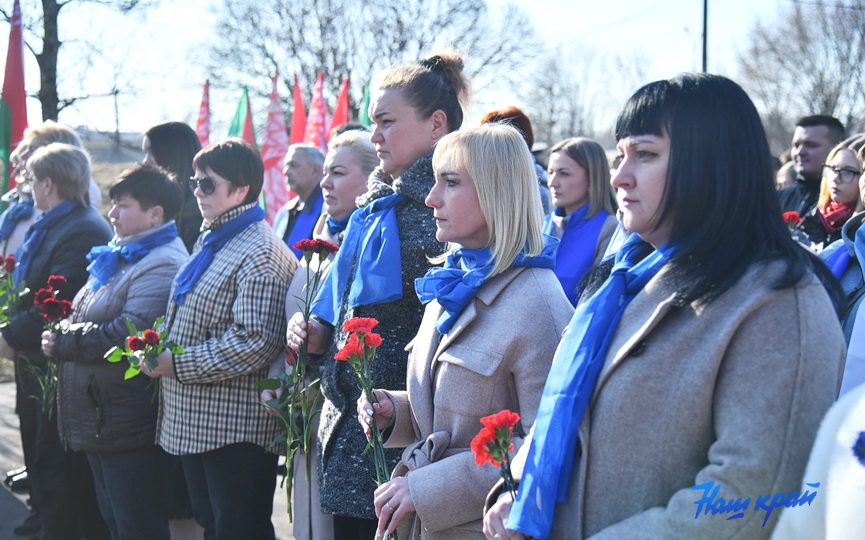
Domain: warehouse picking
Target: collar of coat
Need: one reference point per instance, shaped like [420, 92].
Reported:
[415, 183]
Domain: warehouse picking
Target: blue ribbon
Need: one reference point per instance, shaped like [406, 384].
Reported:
[104, 259]
[570, 385]
[21, 211]
[36, 235]
[335, 227]
[577, 248]
[464, 272]
[370, 256]
[214, 240]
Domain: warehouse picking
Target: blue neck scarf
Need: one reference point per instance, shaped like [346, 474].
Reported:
[304, 224]
[36, 234]
[577, 248]
[464, 272]
[214, 240]
[570, 385]
[20, 212]
[369, 257]
[335, 227]
[105, 259]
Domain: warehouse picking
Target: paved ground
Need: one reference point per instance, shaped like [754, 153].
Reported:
[12, 506]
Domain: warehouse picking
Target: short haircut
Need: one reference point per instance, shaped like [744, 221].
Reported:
[235, 160]
[502, 169]
[68, 167]
[361, 148]
[150, 187]
[173, 145]
[836, 128]
[311, 152]
[49, 132]
[709, 197]
[515, 117]
[589, 155]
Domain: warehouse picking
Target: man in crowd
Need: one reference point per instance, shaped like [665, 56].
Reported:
[813, 139]
[227, 311]
[296, 220]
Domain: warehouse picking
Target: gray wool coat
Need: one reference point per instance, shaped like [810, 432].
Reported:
[345, 475]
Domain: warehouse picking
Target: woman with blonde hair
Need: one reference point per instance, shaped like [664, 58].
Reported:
[494, 313]
[584, 217]
[838, 200]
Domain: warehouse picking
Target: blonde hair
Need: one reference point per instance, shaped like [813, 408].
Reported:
[49, 132]
[589, 155]
[68, 167]
[498, 161]
[825, 196]
[361, 148]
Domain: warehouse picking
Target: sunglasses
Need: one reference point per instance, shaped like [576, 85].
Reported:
[207, 184]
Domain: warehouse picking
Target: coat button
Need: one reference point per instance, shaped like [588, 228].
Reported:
[638, 350]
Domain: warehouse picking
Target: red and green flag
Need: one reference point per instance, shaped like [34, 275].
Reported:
[316, 123]
[13, 106]
[298, 115]
[340, 112]
[364, 107]
[202, 127]
[273, 149]
[241, 124]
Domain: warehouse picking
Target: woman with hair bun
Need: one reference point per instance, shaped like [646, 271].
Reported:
[414, 106]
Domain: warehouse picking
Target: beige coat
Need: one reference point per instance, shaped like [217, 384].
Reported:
[496, 356]
[732, 392]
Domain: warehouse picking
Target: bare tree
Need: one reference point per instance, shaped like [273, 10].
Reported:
[357, 38]
[808, 61]
[45, 30]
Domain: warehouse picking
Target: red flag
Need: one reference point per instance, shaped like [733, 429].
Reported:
[273, 151]
[202, 128]
[13, 109]
[316, 123]
[340, 112]
[298, 115]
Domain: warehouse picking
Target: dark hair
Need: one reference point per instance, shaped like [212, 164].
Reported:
[836, 128]
[435, 83]
[235, 160]
[720, 194]
[173, 145]
[150, 187]
[515, 117]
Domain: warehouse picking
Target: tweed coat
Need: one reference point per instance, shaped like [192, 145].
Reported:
[496, 356]
[699, 393]
[232, 327]
[345, 473]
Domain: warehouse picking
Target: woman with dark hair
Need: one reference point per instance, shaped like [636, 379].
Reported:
[584, 219]
[415, 106]
[666, 388]
[172, 146]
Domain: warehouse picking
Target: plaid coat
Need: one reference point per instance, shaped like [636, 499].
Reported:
[232, 327]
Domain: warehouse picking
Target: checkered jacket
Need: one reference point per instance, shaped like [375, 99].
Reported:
[232, 327]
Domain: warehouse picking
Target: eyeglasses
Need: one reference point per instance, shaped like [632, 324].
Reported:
[206, 184]
[846, 175]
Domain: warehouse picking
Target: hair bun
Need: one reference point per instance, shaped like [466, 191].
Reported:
[433, 63]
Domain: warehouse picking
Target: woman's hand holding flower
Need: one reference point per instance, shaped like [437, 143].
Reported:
[496, 519]
[165, 365]
[392, 502]
[48, 343]
[382, 409]
[298, 330]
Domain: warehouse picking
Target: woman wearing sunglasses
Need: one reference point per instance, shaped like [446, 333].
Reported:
[414, 107]
[839, 199]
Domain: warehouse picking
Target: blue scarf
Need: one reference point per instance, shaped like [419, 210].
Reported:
[570, 385]
[104, 259]
[335, 227]
[36, 235]
[464, 272]
[214, 240]
[304, 224]
[15, 214]
[577, 249]
[369, 257]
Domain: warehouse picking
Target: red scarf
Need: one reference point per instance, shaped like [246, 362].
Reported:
[834, 215]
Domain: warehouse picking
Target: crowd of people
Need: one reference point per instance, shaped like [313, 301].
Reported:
[665, 322]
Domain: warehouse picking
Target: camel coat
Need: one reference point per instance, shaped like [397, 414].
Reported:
[496, 356]
[731, 392]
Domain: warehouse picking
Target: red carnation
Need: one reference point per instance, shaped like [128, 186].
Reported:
[303, 245]
[372, 340]
[135, 343]
[791, 218]
[9, 263]
[353, 346]
[56, 282]
[43, 295]
[55, 310]
[503, 419]
[480, 446]
[359, 324]
[323, 246]
[151, 337]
